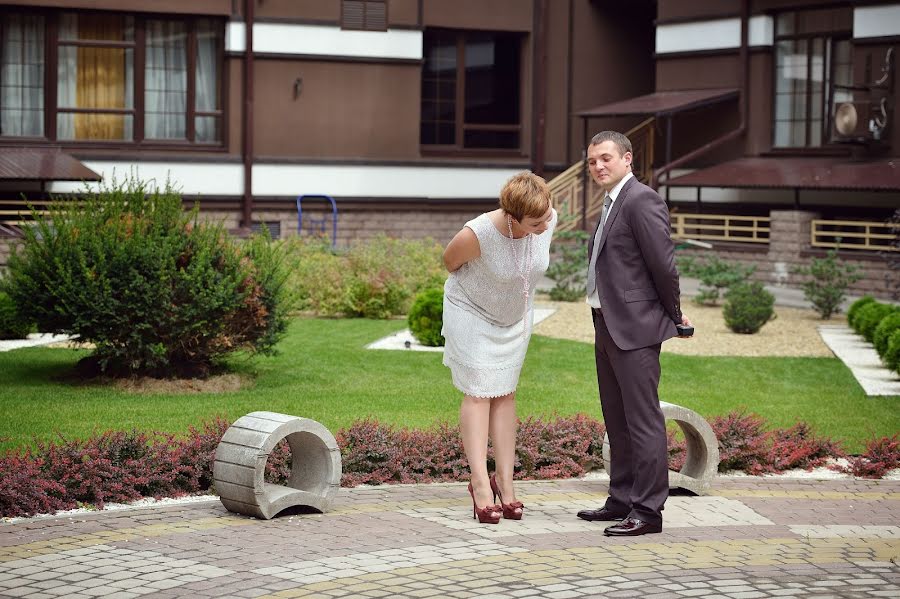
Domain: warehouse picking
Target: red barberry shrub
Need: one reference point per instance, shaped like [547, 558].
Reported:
[799, 447]
[558, 448]
[742, 442]
[880, 457]
[25, 490]
[369, 453]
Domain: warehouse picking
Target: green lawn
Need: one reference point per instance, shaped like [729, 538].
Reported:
[324, 373]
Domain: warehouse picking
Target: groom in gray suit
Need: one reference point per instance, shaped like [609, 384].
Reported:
[634, 296]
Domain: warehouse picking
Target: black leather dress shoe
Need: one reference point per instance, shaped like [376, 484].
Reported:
[631, 527]
[601, 514]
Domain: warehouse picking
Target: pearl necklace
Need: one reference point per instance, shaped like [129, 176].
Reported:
[523, 270]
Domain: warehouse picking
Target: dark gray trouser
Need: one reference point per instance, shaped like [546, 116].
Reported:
[629, 396]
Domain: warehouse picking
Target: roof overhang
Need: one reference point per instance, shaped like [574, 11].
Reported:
[42, 164]
[796, 173]
[662, 103]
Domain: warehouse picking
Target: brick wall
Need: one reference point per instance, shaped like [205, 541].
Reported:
[788, 246]
[362, 224]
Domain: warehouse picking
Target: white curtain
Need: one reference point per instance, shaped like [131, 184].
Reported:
[67, 76]
[206, 127]
[165, 80]
[22, 79]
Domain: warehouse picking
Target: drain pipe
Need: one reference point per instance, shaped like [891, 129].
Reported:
[743, 107]
[247, 123]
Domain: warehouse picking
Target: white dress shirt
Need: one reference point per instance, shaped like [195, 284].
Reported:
[594, 298]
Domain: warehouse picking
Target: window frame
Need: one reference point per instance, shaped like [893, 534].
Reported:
[460, 125]
[52, 44]
[829, 40]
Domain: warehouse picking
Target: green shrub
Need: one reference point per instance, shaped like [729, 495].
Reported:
[870, 316]
[12, 325]
[426, 317]
[891, 357]
[567, 266]
[829, 279]
[715, 276]
[157, 292]
[884, 330]
[374, 279]
[748, 307]
[855, 307]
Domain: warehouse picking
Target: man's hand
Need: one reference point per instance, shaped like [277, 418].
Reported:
[685, 321]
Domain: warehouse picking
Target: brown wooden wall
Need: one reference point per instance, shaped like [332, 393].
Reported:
[346, 109]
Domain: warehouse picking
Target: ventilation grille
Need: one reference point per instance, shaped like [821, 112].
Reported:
[273, 227]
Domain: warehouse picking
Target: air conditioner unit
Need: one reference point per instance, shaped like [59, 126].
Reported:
[861, 121]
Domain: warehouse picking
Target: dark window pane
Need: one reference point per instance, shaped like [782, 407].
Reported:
[492, 78]
[492, 139]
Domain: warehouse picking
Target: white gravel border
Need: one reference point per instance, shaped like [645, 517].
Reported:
[33, 340]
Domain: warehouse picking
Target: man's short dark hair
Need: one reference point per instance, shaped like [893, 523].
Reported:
[622, 142]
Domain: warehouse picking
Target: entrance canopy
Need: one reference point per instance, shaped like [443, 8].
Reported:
[42, 164]
[796, 173]
[662, 103]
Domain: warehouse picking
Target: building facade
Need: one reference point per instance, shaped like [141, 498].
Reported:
[411, 114]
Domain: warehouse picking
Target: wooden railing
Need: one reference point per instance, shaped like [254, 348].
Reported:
[720, 227]
[567, 191]
[852, 235]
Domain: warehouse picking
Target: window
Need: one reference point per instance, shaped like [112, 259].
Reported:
[470, 90]
[810, 59]
[118, 78]
[22, 76]
[370, 15]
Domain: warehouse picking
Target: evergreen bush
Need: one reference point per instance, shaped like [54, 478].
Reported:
[12, 325]
[426, 317]
[855, 307]
[715, 276]
[748, 307]
[829, 279]
[376, 278]
[891, 357]
[870, 316]
[884, 330]
[567, 266]
[157, 292]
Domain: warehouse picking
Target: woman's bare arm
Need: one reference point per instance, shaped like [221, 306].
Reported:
[464, 247]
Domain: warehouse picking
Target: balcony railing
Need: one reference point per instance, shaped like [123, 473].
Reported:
[852, 235]
[720, 227]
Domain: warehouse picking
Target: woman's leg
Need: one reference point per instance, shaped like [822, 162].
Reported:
[474, 414]
[503, 435]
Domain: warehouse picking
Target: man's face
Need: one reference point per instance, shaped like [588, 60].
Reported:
[607, 166]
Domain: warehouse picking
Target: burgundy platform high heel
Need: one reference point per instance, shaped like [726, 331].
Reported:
[511, 511]
[486, 515]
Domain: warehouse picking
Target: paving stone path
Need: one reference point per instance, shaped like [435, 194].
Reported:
[751, 538]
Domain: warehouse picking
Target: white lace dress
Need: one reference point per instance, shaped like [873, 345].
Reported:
[485, 312]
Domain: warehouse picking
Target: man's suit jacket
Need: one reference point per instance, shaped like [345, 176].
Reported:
[636, 277]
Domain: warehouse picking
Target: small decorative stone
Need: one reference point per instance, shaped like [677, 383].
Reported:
[240, 464]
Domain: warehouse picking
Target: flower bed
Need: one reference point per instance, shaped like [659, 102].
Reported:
[125, 466]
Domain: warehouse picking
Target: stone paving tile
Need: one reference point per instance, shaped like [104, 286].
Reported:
[751, 538]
